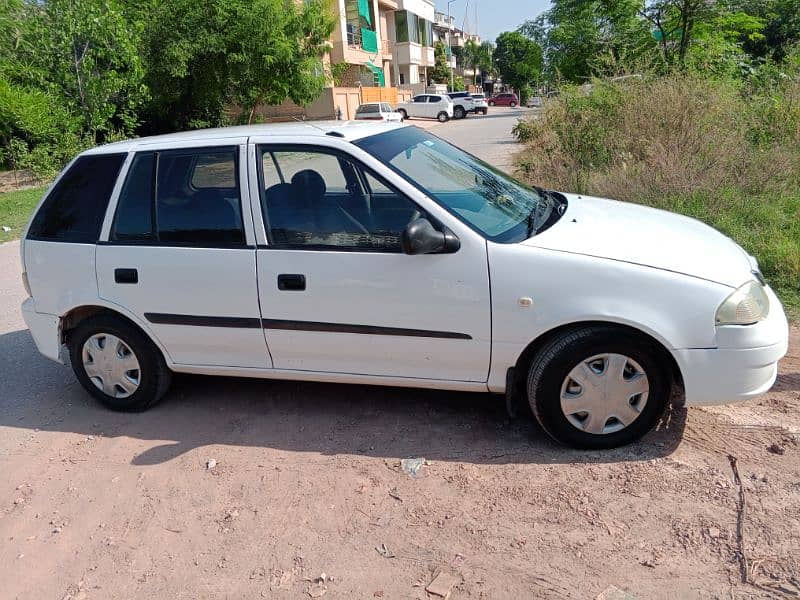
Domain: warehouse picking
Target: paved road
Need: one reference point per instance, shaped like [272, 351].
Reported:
[488, 137]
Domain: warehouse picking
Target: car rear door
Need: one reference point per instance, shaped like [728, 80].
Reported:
[337, 294]
[419, 106]
[434, 106]
[177, 253]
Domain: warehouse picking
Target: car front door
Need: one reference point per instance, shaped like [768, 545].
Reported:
[337, 293]
[179, 254]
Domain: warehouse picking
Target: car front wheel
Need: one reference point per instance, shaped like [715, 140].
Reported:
[598, 387]
[443, 117]
[491, 102]
[459, 113]
[403, 114]
[512, 104]
[117, 364]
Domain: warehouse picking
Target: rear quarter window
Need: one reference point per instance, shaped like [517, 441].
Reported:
[75, 208]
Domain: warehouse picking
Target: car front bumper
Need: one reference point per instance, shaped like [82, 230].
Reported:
[45, 330]
[744, 364]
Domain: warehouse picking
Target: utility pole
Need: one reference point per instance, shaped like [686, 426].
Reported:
[450, 46]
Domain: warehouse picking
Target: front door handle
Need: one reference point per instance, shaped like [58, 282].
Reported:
[126, 275]
[291, 282]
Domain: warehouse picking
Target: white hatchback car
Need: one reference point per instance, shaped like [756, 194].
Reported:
[377, 253]
[429, 106]
[378, 111]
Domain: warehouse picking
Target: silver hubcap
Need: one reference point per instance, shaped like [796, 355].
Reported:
[604, 394]
[111, 365]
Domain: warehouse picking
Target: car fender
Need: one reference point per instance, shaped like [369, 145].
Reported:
[535, 293]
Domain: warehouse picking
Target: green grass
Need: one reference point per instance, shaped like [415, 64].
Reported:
[15, 210]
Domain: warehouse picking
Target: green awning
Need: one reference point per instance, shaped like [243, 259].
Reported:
[378, 73]
[369, 40]
[363, 10]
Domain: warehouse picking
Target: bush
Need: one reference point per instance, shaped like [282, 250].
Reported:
[722, 151]
[36, 132]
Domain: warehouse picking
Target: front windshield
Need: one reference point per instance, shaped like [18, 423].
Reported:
[500, 208]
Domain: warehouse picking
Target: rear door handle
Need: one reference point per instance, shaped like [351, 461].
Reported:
[126, 275]
[291, 282]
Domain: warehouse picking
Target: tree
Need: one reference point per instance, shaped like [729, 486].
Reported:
[477, 57]
[84, 52]
[204, 56]
[579, 35]
[441, 69]
[518, 60]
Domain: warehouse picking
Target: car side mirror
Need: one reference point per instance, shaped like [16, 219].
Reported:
[420, 237]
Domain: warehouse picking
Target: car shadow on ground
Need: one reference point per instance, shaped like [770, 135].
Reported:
[329, 419]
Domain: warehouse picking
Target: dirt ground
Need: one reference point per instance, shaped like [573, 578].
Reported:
[307, 497]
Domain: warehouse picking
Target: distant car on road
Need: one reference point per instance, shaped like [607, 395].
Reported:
[535, 102]
[481, 106]
[463, 104]
[505, 99]
[429, 106]
[378, 111]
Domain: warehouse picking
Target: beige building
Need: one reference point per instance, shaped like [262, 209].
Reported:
[362, 40]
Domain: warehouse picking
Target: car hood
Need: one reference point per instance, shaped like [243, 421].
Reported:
[646, 236]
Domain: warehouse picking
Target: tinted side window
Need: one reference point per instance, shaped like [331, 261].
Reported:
[434, 99]
[134, 218]
[197, 197]
[311, 210]
[74, 210]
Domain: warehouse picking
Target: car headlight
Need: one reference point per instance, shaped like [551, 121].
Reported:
[747, 305]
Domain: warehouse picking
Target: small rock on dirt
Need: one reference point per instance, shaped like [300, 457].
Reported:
[776, 449]
[442, 585]
[412, 466]
[211, 463]
[612, 592]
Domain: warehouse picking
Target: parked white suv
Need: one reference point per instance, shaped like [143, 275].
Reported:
[430, 106]
[377, 253]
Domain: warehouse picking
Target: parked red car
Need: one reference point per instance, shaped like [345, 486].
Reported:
[504, 99]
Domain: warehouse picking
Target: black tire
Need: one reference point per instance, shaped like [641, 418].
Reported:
[403, 114]
[443, 117]
[491, 102]
[458, 113]
[485, 111]
[154, 375]
[553, 363]
[512, 104]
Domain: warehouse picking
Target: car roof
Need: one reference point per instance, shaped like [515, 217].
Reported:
[308, 130]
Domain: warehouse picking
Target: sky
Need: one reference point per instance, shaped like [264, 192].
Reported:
[494, 16]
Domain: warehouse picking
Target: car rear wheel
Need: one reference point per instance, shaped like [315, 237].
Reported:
[443, 117]
[512, 104]
[458, 113]
[117, 364]
[598, 387]
[485, 111]
[403, 114]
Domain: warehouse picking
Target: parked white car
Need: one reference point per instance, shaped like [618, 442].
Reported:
[378, 111]
[481, 104]
[429, 106]
[377, 253]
